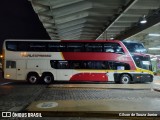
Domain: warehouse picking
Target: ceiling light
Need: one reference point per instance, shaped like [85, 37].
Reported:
[154, 34]
[111, 38]
[143, 20]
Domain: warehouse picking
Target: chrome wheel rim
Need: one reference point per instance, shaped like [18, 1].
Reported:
[125, 80]
[47, 79]
[33, 79]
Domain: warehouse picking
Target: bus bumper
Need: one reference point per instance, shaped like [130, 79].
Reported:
[142, 77]
[136, 77]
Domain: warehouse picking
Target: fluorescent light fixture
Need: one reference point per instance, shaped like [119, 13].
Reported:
[154, 48]
[143, 20]
[111, 38]
[154, 34]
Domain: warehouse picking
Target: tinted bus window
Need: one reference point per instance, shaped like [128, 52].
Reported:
[53, 63]
[37, 46]
[113, 47]
[74, 64]
[23, 46]
[57, 47]
[75, 47]
[93, 47]
[62, 65]
[10, 64]
[63, 47]
[143, 62]
[11, 45]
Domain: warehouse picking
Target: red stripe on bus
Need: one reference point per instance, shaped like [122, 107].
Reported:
[91, 56]
[102, 77]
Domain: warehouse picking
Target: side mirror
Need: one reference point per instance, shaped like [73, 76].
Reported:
[155, 73]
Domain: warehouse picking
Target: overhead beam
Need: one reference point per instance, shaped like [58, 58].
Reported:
[62, 3]
[89, 30]
[71, 9]
[80, 26]
[71, 17]
[56, 3]
[38, 7]
[71, 23]
[121, 12]
[69, 29]
[118, 24]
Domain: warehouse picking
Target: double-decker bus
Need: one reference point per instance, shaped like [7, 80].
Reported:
[71, 60]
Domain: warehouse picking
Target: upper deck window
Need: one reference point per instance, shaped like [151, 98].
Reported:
[37, 46]
[93, 47]
[56, 47]
[75, 47]
[11, 45]
[113, 47]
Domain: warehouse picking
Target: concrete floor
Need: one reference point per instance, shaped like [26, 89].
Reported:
[81, 101]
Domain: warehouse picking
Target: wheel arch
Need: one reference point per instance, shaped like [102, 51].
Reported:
[117, 76]
[47, 73]
[131, 76]
[32, 72]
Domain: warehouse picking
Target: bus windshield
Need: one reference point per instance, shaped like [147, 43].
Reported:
[142, 62]
[135, 47]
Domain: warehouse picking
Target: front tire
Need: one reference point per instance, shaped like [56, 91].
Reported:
[125, 79]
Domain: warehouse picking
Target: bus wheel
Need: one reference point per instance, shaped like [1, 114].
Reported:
[48, 78]
[125, 79]
[32, 78]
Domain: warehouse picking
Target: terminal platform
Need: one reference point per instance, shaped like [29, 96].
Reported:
[76, 101]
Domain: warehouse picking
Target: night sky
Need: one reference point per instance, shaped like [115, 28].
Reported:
[19, 21]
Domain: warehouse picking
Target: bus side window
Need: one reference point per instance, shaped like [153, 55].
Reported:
[75, 47]
[37, 46]
[119, 50]
[53, 63]
[53, 47]
[62, 65]
[108, 49]
[76, 65]
[10, 64]
[23, 46]
[90, 65]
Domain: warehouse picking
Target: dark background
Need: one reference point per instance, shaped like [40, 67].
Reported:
[19, 21]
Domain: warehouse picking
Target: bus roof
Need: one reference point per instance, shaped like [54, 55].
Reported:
[36, 40]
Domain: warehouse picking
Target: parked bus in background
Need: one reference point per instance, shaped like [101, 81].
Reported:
[135, 47]
[71, 60]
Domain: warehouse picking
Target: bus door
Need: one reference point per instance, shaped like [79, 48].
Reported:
[21, 66]
[10, 70]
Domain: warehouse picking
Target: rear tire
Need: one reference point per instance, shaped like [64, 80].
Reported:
[125, 79]
[47, 78]
[33, 78]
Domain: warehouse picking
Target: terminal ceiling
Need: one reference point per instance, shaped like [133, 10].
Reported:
[99, 19]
